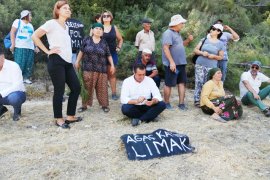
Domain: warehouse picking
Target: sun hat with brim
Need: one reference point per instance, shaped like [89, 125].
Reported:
[147, 51]
[97, 25]
[177, 19]
[212, 72]
[218, 26]
[258, 63]
[24, 13]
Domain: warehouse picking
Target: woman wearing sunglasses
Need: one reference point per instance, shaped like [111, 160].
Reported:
[214, 102]
[114, 39]
[211, 51]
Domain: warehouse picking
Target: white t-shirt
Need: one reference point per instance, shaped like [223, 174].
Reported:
[255, 83]
[11, 79]
[24, 35]
[58, 37]
[131, 89]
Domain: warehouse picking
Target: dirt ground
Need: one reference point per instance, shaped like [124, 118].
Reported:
[34, 148]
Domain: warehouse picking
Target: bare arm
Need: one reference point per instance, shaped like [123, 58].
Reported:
[217, 57]
[235, 36]
[119, 38]
[166, 48]
[154, 73]
[12, 38]
[188, 40]
[36, 38]
[250, 89]
[78, 60]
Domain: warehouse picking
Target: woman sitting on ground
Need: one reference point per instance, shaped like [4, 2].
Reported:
[214, 101]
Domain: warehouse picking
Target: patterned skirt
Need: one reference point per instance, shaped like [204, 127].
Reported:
[231, 108]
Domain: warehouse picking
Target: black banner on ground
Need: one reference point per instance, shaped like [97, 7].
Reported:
[160, 143]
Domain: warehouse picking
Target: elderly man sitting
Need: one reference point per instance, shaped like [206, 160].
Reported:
[250, 84]
[12, 90]
[151, 68]
[140, 97]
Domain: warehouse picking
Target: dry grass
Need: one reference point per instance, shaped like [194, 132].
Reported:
[34, 148]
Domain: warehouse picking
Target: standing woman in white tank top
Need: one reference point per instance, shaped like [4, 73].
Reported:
[60, 65]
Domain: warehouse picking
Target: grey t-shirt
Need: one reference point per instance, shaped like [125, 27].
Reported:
[177, 48]
[212, 48]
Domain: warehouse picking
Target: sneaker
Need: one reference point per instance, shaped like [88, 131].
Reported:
[115, 97]
[3, 110]
[27, 81]
[168, 106]
[266, 112]
[182, 107]
[135, 122]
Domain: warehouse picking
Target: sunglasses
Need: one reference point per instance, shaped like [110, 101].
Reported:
[255, 67]
[106, 16]
[214, 29]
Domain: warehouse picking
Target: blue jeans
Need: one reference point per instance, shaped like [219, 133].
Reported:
[222, 65]
[15, 99]
[143, 112]
[248, 98]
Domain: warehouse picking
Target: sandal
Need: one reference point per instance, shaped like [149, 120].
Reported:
[218, 118]
[197, 104]
[82, 109]
[64, 125]
[77, 119]
[105, 109]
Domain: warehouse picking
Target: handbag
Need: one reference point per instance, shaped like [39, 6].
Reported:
[7, 39]
[195, 57]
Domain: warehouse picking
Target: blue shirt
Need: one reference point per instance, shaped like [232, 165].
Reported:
[177, 48]
[211, 48]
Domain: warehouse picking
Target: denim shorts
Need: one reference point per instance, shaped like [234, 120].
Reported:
[178, 77]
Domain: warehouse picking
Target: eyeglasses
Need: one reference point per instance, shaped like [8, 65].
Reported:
[214, 29]
[255, 67]
[106, 16]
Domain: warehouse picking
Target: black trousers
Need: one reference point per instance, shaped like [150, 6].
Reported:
[61, 73]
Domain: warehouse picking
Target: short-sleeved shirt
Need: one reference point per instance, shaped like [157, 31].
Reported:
[255, 83]
[58, 37]
[145, 40]
[95, 56]
[150, 66]
[211, 48]
[24, 34]
[177, 49]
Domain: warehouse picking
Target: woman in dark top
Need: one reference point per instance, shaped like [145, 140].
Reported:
[115, 41]
[96, 57]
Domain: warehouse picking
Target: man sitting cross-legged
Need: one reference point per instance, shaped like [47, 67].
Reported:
[140, 97]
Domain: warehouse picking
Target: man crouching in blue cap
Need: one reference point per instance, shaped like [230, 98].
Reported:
[250, 84]
[12, 90]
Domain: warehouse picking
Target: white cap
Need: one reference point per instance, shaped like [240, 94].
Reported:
[147, 51]
[218, 26]
[177, 19]
[24, 13]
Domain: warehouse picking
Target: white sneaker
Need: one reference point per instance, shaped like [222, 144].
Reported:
[27, 81]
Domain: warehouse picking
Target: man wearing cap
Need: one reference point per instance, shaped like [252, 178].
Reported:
[22, 44]
[140, 97]
[250, 84]
[146, 39]
[12, 90]
[174, 60]
[151, 68]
